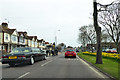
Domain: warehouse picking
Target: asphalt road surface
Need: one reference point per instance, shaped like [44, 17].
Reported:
[53, 67]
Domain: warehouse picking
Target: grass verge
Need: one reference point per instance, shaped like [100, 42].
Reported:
[109, 66]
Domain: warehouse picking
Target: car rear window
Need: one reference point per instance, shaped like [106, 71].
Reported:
[20, 50]
[70, 50]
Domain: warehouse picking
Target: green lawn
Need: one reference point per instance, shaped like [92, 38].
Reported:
[109, 66]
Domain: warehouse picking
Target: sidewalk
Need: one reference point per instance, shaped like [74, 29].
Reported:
[59, 53]
[0, 61]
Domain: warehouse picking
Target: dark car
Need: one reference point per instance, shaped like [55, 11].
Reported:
[23, 55]
[77, 50]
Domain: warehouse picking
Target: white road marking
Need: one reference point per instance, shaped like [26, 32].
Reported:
[23, 75]
[92, 68]
[46, 63]
[69, 59]
[0, 63]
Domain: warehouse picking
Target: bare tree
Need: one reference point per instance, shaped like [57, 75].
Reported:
[110, 19]
[87, 35]
[83, 36]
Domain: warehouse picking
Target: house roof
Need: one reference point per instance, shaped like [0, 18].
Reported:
[40, 41]
[35, 37]
[24, 33]
[7, 30]
[46, 42]
[30, 37]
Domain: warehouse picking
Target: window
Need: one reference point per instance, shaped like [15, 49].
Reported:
[35, 49]
[23, 40]
[14, 38]
[32, 42]
[6, 36]
[35, 43]
[20, 50]
[29, 42]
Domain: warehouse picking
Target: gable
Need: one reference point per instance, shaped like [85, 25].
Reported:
[22, 35]
[15, 33]
[33, 39]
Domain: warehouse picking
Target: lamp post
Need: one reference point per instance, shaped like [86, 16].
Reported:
[56, 37]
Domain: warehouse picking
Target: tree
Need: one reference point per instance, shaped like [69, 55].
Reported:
[61, 46]
[87, 35]
[110, 19]
[98, 34]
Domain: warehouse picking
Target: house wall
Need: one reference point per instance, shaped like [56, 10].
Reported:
[26, 41]
[29, 43]
[33, 43]
[14, 37]
[1, 37]
[36, 44]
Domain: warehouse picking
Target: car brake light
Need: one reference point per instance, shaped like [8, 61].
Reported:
[4, 56]
[21, 56]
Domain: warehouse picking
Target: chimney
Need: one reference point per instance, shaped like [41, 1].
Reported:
[25, 32]
[4, 25]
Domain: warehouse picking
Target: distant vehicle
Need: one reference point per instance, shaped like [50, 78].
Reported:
[113, 50]
[23, 55]
[104, 50]
[70, 53]
[77, 50]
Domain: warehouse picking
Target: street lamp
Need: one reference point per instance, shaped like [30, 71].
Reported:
[56, 37]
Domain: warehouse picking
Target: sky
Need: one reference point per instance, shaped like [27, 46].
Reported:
[49, 18]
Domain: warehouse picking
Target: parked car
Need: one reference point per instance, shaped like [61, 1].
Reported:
[77, 50]
[70, 53]
[113, 50]
[23, 55]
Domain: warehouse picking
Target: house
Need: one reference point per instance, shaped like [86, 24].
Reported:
[35, 41]
[32, 41]
[41, 44]
[9, 38]
[22, 39]
[29, 38]
[1, 39]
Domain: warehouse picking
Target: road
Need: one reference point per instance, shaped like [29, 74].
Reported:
[53, 67]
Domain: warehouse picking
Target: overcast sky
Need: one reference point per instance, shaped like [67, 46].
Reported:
[43, 18]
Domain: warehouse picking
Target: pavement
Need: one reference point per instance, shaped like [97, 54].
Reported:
[54, 67]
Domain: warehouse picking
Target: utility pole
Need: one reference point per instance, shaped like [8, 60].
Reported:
[98, 33]
[56, 37]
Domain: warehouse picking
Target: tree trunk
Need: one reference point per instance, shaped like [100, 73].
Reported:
[118, 48]
[98, 33]
[99, 47]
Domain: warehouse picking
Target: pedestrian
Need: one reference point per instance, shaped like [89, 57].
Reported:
[52, 53]
[47, 52]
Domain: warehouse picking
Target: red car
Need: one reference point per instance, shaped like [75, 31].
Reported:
[70, 53]
[111, 50]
